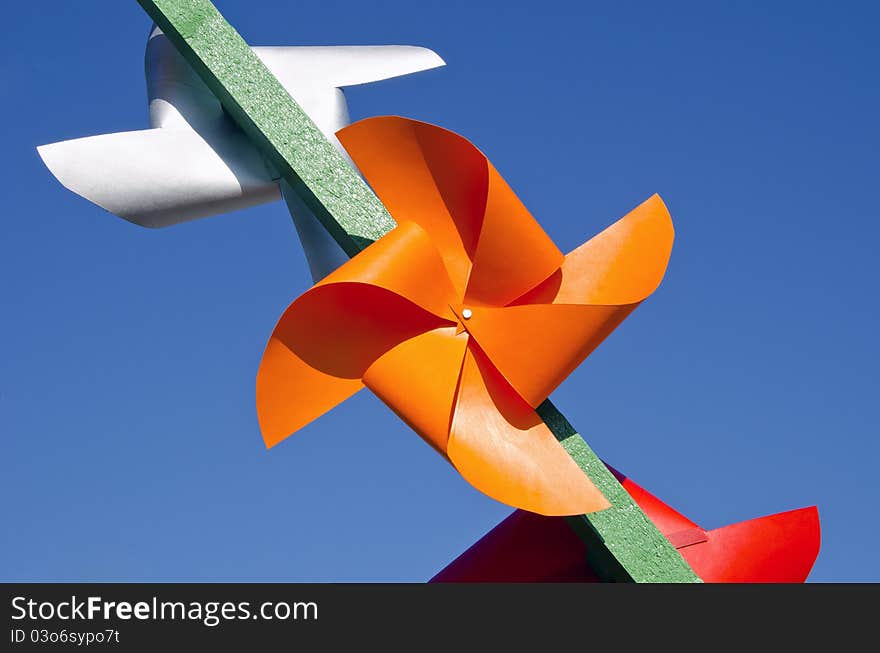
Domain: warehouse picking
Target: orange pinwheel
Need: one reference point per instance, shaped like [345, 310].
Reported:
[463, 318]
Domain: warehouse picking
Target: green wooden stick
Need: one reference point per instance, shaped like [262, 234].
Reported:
[622, 543]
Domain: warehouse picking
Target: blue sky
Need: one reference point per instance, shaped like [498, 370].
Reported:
[746, 385]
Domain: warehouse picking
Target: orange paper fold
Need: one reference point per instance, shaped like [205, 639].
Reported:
[462, 319]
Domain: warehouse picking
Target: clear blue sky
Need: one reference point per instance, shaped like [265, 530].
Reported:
[746, 385]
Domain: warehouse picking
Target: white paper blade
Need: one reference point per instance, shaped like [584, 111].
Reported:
[160, 177]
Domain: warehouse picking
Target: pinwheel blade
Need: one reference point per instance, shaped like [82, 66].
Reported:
[342, 328]
[418, 380]
[330, 336]
[322, 346]
[291, 393]
[513, 253]
[501, 447]
[524, 548]
[406, 263]
[427, 175]
[536, 346]
[493, 248]
[778, 548]
[621, 265]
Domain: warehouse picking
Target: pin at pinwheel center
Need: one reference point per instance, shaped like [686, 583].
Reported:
[463, 314]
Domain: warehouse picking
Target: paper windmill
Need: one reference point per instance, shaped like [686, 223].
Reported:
[462, 319]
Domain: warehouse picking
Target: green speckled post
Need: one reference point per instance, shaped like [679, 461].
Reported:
[261, 106]
[622, 543]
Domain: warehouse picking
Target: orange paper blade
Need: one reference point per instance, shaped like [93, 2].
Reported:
[623, 264]
[342, 328]
[536, 346]
[426, 175]
[513, 253]
[325, 341]
[504, 449]
[291, 393]
[322, 346]
[418, 380]
[438, 179]
[406, 263]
